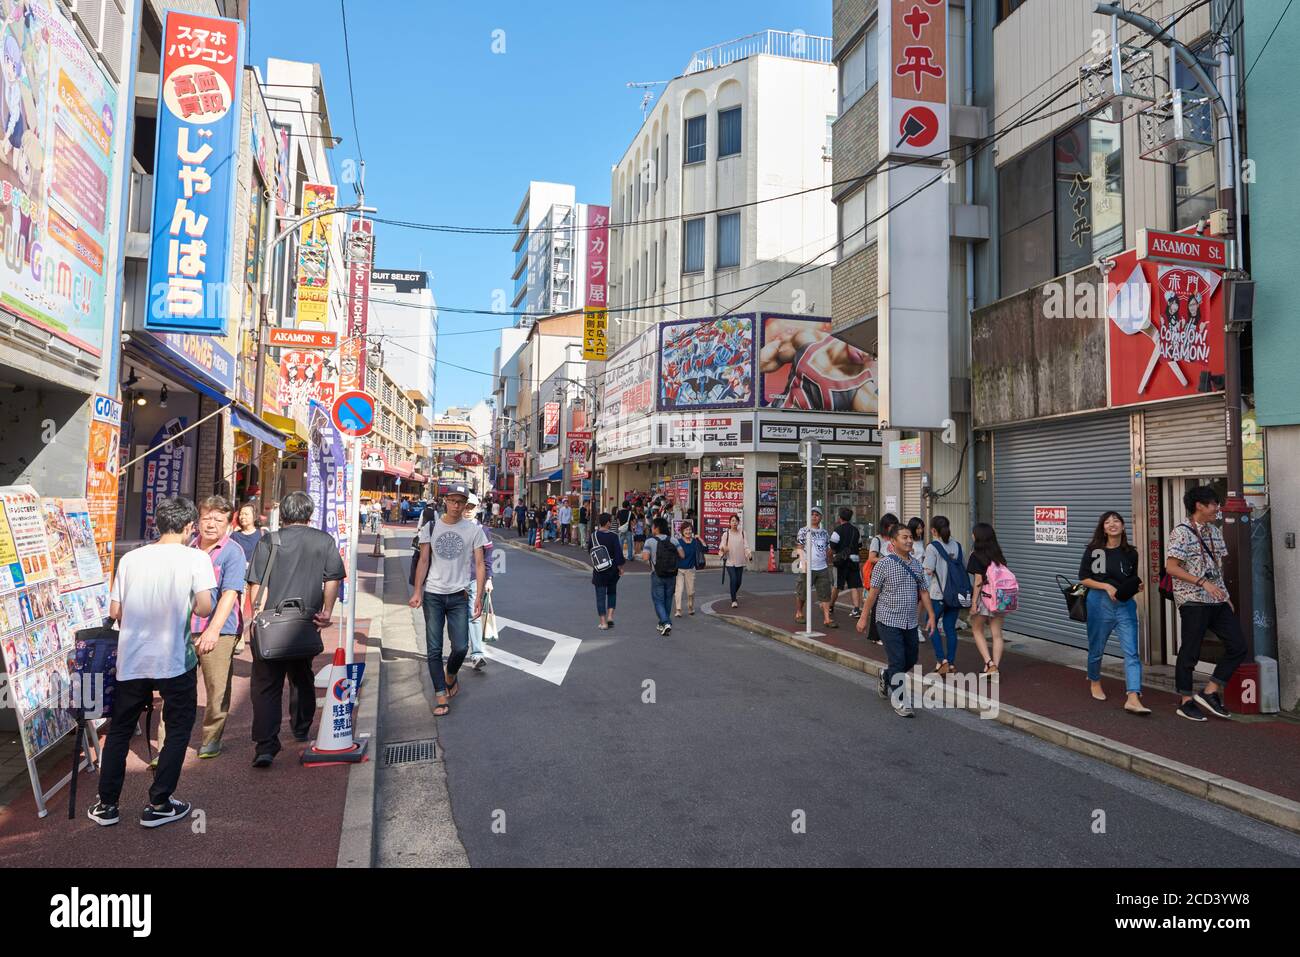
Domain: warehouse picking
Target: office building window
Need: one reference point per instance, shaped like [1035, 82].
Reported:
[1025, 243]
[856, 212]
[695, 140]
[858, 69]
[729, 132]
[656, 169]
[1196, 184]
[1089, 194]
[693, 245]
[729, 240]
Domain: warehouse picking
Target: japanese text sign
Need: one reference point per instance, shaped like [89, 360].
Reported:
[595, 334]
[597, 240]
[194, 175]
[913, 36]
[314, 256]
[361, 257]
[551, 421]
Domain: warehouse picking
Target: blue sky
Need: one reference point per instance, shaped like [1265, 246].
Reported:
[452, 132]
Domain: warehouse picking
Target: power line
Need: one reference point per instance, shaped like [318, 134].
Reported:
[1280, 18]
[343, 6]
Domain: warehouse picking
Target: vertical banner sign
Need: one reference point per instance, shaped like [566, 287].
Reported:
[314, 257]
[723, 495]
[58, 117]
[551, 420]
[595, 326]
[914, 46]
[102, 475]
[194, 175]
[164, 474]
[361, 258]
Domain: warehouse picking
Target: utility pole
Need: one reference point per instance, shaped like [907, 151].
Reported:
[1236, 511]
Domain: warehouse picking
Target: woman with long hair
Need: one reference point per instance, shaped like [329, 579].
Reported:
[985, 552]
[1109, 568]
[736, 554]
[939, 556]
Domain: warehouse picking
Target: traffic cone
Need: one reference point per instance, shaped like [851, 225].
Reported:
[334, 744]
[537, 542]
[771, 559]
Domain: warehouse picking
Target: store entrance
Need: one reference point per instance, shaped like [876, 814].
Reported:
[1173, 514]
[837, 481]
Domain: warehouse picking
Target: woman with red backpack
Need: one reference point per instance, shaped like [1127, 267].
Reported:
[995, 592]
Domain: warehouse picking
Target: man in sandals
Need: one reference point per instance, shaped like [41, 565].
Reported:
[451, 554]
[812, 544]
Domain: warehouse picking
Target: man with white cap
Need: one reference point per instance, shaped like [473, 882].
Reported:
[451, 555]
[812, 545]
[475, 511]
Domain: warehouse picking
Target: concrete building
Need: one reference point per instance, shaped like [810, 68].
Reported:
[550, 258]
[402, 307]
[717, 318]
[553, 344]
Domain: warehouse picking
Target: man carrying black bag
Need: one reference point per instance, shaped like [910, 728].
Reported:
[302, 578]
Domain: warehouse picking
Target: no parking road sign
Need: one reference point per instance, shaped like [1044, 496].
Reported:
[353, 413]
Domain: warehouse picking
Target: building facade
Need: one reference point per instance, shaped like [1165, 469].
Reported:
[550, 257]
[403, 309]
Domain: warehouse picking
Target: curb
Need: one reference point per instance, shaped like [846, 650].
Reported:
[357, 837]
[542, 553]
[1253, 802]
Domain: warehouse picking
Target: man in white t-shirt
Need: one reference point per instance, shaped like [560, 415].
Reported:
[811, 545]
[566, 520]
[155, 591]
[451, 554]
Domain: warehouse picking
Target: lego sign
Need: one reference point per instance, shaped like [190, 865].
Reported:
[913, 37]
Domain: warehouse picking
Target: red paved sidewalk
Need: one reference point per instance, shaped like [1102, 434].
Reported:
[287, 816]
[1258, 751]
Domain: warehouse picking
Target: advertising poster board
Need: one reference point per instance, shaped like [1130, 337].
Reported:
[314, 257]
[551, 421]
[1051, 525]
[361, 259]
[629, 381]
[765, 512]
[165, 473]
[722, 494]
[802, 366]
[102, 476]
[706, 363]
[56, 167]
[199, 103]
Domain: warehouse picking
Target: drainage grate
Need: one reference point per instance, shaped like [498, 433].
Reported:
[410, 752]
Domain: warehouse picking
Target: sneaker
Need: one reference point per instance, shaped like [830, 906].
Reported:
[478, 662]
[882, 689]
[903, 711]
[1213, 704]
[103, 814]
[660, 628]
[263, 760]
[668, 630]
[856, 613]
[1191, 712]
[210, 750]
[176, 810]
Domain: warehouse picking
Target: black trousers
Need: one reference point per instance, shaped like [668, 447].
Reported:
[180, 696]
[265, 686]
[1196, 620]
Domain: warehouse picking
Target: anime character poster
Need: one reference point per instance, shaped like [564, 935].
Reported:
[707, 363]
[57, 119]
[803, 366]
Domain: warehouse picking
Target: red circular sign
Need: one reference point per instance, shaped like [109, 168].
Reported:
[469, 459]
[918, 126]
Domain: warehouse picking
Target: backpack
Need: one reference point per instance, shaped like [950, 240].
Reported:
[666, 558]
[848, 547]
[956, 585]
[600, 559]
[1001, 591]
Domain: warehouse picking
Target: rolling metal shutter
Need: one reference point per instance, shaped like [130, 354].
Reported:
[1185, 439]
[1082, 464]
[911, 495]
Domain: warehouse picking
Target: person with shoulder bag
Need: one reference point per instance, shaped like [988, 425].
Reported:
[847, 543]
[897, 588]
[736, 554]
[607, 562]
[1109, 570]
[294, 582]
[692, 552]
[994, 591]
[950, 590]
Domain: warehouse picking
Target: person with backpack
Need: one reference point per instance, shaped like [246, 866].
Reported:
[736, 554]
[950, 590]
[155, 590]
[692, 551]
[663, 556]
[606, 569]
[1109, 569]
[624, 519]
[847, 543]
[897, 586]
[994, 592]
[1194, 560]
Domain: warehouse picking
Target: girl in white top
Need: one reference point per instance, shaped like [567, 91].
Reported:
[736, 554]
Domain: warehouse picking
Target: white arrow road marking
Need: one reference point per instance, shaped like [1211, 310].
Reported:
[556, 664]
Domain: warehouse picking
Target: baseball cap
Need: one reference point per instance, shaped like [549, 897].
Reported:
[473, 500]
[817, 509]
[458, 489]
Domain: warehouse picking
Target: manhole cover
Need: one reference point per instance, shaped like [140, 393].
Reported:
[410, 752]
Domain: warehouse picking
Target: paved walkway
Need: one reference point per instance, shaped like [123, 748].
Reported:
[1257, 751]
[245, 810]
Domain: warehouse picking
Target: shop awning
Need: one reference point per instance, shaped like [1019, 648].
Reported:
[403, 470]
[156, 354]
[250, 424]
[551, 477]
[419, 477]
[286, 425]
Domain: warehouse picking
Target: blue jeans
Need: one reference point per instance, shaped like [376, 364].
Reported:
[734, 574]
[606, 598]
[661, 593]
[1106, 616]
[949, 632]
[452, 612]
[902, 646]
[625, 542]
[475, 624]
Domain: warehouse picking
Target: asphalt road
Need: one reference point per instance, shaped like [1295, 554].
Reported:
[717, 747]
